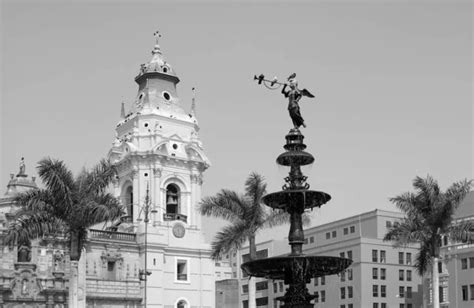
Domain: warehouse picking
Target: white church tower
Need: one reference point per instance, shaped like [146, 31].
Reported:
[160, 156]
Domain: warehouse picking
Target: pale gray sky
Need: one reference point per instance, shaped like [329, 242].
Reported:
[392, 81]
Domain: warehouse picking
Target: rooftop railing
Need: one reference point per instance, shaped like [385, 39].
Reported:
[119, 236]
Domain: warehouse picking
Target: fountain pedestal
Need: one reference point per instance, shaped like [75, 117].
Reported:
[296, 269]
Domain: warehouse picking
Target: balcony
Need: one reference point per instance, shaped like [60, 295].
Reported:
[173, 216]
[111, 235]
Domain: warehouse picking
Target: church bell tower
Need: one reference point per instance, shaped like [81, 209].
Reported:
[161, 160]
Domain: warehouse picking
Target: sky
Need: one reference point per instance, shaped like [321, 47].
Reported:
[392, 82]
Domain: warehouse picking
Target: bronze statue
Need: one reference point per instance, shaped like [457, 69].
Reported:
[294, 95]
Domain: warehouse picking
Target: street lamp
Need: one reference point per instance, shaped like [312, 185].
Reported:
[146, 208]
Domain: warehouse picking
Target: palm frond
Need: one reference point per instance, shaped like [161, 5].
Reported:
[57, 178]
[29, 225]
[35, 200]
[407, 232]
[255, 187]
[406, 202]
[458, 191]
[461, 231]
[428, 190]
[226, 204]
[103, 208]
[230, 237]
[276, 218]
[99, 177]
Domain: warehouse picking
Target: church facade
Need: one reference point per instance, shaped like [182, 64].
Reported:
[156, 255]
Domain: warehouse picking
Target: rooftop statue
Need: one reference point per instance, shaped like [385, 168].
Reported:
[293, 94]
[22, 167]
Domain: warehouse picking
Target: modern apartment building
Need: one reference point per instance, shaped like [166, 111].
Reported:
[380, 276]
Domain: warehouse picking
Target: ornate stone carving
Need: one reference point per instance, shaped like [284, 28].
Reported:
[157, 172]
[59, 261]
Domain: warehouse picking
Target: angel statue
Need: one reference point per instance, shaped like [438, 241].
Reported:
[294, 95]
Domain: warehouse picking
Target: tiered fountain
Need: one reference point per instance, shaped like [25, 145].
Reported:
[296, 268]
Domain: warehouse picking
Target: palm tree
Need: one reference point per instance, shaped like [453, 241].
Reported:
[428, 217]
[67, 206]
[247, 215]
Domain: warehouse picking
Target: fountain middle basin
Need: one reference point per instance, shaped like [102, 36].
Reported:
[309, 266]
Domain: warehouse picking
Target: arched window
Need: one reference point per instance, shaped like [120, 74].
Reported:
[128, 201]
[182, 304]
[172, 199]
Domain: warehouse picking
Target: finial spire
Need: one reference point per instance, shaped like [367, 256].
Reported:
[193, 103]
[157, 49]
[157, 36]
[122, 111]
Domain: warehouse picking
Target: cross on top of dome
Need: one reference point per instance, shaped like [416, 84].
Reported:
[157, 63]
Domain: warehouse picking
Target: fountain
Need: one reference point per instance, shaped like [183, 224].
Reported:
[296, 268]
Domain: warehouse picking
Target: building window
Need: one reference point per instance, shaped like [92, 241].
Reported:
[343, 276]
[316, 281]
[383, 291]
[316, 299]
[443, 292]
[464, 263]
[383, 273]
[305, 241]
[471, 262]
[388, 224]
[323, 280]
[472, 291]
[375, 273]
[275, 287]
[311, 239]
[281, 286]
[343, 293]
[350, 292]
[375, 305]
[409, 305]
[349, 274]
[349, 254]
[342, 254]
[374, 255]
[262, 301]
[408, 275]
[408, 260]
[440, 267]
[383, 258]
[409, 292]
[353, 229]
[328, 235]
[334, 234]
[350, 305]
[261, 285]
[323, 296]
[245, 288]
[402, 306]
[375, 290]
[400, 258]
[172, 199]
[464, 293]
[111, 270]
[401, 292]
[182, 270]
[383, 305]
[342, 306]
[401, 275]
[346, 231]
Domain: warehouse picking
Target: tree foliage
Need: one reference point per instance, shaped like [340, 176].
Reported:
[428, 217]
[67, 206]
